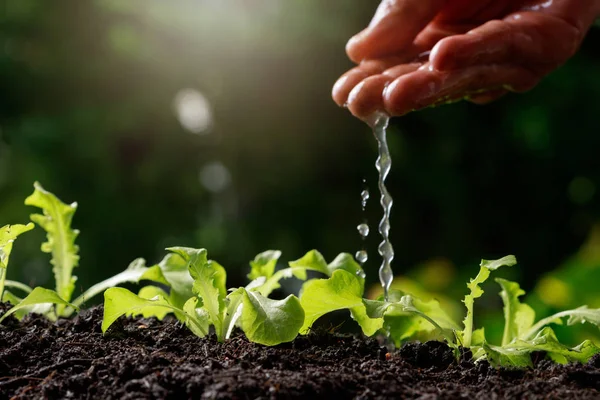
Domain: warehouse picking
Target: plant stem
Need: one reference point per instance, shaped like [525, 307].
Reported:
[545, 321]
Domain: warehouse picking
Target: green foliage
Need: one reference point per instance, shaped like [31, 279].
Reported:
[486, 267]
[56, 220]
[38, 296]
[8, 234]
[263, 320]
[521, 335]
[193, 288]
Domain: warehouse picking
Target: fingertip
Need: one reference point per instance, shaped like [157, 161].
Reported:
[411, 92]
[366, 97]
[394, 100]
[342, 87]
[336, 91]
[443, 55]
[354, 48]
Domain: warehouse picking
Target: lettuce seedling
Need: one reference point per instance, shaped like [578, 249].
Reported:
[521, 336]
[263, 320]
[55, 219]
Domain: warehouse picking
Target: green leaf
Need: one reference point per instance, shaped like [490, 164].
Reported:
[264, 264]
[518, 317]
[151, 292]
[507, 357]
[369, 325]
[10, 297]
[311, 261]
[197, 319]
[270, 322]
[134, 273]
[56, 221]
[581, 315]
[584, 314]
[209, 284]
[343, 290]
[119, 301]
[173, 272]
[235, 304]
[38, 295]
[346, 262]
[492, 265]
[547, 341]
[486, 267]
[8, 234]
[413, 318]
[409, 317]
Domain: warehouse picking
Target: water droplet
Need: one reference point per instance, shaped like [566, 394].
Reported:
[362, 256]
[364, 196]
[361, 273]
[363, 230]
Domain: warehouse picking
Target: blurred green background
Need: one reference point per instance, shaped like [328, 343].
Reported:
[209, 123]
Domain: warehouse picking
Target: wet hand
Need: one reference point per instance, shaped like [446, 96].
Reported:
[417, 53]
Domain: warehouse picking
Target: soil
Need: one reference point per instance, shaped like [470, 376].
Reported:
[148, 359]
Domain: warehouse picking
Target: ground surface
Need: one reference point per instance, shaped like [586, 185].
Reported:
[149, 359]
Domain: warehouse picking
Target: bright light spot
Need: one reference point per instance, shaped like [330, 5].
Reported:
[215, 177]
[581, 190]
[193, 111]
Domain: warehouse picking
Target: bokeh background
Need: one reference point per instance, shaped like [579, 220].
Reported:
[209, 123]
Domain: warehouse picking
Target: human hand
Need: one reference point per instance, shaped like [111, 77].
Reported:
[417, 53]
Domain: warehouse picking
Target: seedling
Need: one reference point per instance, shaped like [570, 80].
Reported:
[193, 288]
[522, 336]
[55, 219]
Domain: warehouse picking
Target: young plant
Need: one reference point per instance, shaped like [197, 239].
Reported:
[521, 337]
[263, 320]
[55, 219]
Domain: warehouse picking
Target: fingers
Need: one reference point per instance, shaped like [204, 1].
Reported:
[427, 86]
[393, 29]
[350, 79]
[539, 41]
[367, 96]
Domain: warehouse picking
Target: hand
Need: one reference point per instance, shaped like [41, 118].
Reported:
[417, 53]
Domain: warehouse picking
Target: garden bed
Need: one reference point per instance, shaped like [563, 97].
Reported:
[145, 358]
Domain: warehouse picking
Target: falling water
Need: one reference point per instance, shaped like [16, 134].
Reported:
[379, 122]
[363, 229]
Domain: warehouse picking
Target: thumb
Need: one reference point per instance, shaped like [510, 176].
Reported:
[393, 28]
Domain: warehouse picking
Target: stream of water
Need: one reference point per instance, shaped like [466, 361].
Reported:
[379, 123]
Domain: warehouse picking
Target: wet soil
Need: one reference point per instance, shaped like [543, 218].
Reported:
[148, 359]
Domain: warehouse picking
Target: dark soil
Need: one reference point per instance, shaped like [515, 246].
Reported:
[143, 359]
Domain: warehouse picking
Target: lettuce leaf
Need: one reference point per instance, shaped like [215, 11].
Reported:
[268, 321]
[8, 234]
[120, 301]
[37, 296]
[209, 284]
[486, 267]
[407, 317]
[56, 221]
[547, 341]
[579, 315]
[518, 317]
[264, 264]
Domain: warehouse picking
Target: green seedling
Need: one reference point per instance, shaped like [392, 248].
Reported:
[193, 288]
[55, 219]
